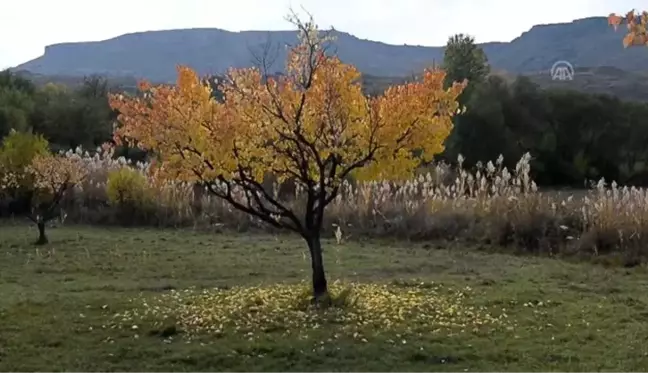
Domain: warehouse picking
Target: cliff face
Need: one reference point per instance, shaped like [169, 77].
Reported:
[587, 42]
[154, 55]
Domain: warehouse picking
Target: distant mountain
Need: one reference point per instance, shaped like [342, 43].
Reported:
[588, 42]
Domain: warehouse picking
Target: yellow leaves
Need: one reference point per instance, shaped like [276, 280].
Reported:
[412, 117]
[187, 80]
[300, 123]
[359, 311]
[614, 20]
[636, 36]
[184, 125]
[53, 173]
[17, 151]
[637, 27]
[128, 187]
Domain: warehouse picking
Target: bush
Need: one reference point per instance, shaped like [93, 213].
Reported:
[128, 190]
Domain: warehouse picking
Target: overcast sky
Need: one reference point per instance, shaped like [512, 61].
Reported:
[27, 26]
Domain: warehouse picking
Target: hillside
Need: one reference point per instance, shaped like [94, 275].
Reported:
[626, 85]
[588, 42]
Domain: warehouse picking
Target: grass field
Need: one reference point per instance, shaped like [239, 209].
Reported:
[58, 306]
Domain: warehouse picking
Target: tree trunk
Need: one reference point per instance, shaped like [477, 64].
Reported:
[42, 237]
[320, 286]
[198, 194]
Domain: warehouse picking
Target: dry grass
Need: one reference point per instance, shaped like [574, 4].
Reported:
[489, 205]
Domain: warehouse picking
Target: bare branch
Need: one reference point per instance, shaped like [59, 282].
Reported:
[268, 56]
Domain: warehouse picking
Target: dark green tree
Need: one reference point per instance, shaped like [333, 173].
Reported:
[72, 117]
[463, 59]
[16, 102]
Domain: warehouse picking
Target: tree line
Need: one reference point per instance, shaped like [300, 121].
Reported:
[573, 136]
[66, 117]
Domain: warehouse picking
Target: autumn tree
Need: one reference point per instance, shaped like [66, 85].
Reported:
[311, 125]
[636, 24]
[54, 176]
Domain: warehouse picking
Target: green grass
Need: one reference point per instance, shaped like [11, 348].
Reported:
[58, 304]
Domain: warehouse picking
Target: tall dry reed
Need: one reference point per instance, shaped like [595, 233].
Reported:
[489, 204]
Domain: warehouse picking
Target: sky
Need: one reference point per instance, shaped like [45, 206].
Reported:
[27, 26]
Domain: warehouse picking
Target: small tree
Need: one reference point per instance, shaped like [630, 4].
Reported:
[54, 176]
[312, 125]
[636, 23]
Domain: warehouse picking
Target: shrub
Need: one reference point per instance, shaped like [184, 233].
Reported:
[128, 190]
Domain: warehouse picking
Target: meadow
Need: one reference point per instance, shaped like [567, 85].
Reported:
[117, 299]
[430, 266]
[455, 270]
